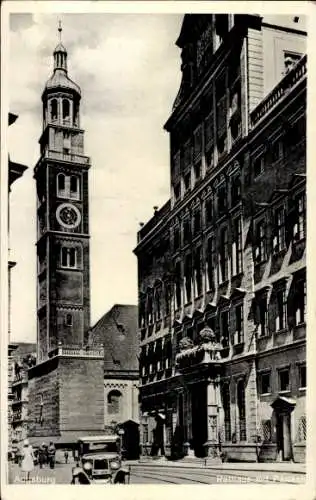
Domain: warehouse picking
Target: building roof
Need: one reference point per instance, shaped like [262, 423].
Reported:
[60, 80]
[117, 331]
[23, 349]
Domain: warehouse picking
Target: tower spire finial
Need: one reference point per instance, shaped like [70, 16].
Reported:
[59, 30]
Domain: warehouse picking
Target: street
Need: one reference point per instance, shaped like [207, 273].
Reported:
[161, 474]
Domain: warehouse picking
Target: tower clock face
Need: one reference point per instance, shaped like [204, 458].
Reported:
[68, 216]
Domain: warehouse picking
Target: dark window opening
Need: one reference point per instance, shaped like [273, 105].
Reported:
[61, 182]
[236, 191]
[177, 191]
[187, 181]
[226, 408]
[223, 256]
[279, 230]
[54, 109]
[68, 320]
[66, 109]
[265, 383]
[237, 247]
[260, 249]
[188, 278]
[209, 210]
[197, 221]
[280, 320]
[302, 376]
[178, 284]
[222, 199]
[210, 263]
[225, 327]
[198, 272]
[284, 380]
[299, 230]
[74, 182]
[241, 399]
[239, 311]
[300, 301]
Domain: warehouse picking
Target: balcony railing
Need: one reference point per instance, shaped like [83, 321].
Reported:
[198, 355]
[282, 88]
[58, 155]
[77, 352]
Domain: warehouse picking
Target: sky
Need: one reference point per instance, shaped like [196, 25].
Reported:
[128, 68]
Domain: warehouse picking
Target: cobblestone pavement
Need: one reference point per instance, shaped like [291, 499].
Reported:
[146, 474]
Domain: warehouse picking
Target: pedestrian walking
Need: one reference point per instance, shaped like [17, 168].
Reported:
[51, 455]
[42, 455]
[27, 463]
[66, 456]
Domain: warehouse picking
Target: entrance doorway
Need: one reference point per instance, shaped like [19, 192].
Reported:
[283, 436]
[283, 408]
[199, 419]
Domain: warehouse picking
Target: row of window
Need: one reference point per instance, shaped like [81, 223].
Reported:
[193, 224]
[228, 323]
[292, 135]
[283, 380]
[275, 315]
[155, 357]
[287, 226]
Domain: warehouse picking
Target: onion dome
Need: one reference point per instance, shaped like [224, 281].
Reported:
[60, 78]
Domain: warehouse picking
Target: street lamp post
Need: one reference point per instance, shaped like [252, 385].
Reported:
[121, 434]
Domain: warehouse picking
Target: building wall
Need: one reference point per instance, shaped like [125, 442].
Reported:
[128, 406]
[66, 397]
[270, 134]
[44, 401]
[81, 394]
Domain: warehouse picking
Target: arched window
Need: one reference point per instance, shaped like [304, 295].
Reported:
[60, 184]
[114, 402]
[54, 109]
[66, 109]
[69, 257]
[241, 410]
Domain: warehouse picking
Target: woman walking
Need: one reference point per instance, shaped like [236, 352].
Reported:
[27, 455]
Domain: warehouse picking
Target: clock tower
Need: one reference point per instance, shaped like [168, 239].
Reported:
[63, 289]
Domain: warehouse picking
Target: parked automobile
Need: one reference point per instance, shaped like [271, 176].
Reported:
[100, 461]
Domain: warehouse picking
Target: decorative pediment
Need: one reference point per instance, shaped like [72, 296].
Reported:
[223, 301]
[198, 313]
[187, 318]
[282, 404]
[238, 293]
[210, 307]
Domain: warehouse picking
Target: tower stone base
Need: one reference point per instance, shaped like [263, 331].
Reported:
[66, 397]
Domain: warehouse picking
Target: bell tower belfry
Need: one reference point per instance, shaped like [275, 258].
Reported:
[63, 290]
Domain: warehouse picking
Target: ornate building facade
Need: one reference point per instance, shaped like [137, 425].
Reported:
[67, 372]
[221, 266]
[15, 171]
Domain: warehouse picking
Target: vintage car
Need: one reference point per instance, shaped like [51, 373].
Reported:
[100, 461]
